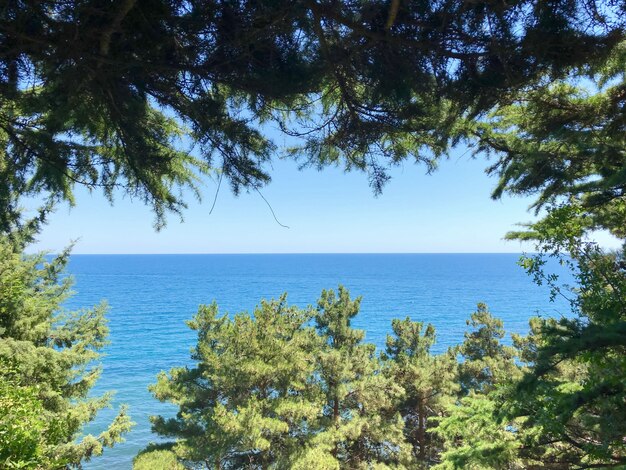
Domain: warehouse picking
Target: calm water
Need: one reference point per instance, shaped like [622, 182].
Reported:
[150, 297]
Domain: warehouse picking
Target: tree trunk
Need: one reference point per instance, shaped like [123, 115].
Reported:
[335, 450]
[421, 429]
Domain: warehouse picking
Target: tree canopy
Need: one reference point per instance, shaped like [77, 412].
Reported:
[115, 94]
[48, 365]
[269, 391]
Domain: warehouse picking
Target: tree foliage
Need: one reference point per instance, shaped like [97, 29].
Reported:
[293, 388]
[248, 397]
[577, 378]
[360, 425]
[486, 362]
[474, 439]
[565, 406]
[271, 391]
[147, 97]
[47, 365]
[565, 141]
[429, 383]
[22, 426]
[155, 457]
[113, 95]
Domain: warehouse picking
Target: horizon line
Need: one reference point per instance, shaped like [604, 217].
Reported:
[310, 253]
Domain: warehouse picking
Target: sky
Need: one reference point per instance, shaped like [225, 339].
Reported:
[329, 211]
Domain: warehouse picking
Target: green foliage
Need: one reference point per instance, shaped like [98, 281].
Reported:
[360, 425]
[268, 391]
[141, 81]
[538, 85]
[249, 399]
[271, 391]
[22, 426]
[475, 439]
[47, 146]
[429, 382]
[575, 391]
[472, 431]
[486, 361]
[47, 358]
[565, 406]
[565, 141]
[156, 458]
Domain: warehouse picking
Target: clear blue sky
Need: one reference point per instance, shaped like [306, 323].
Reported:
[327, 212]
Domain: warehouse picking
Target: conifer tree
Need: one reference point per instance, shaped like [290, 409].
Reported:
[573, 392]
[486, 361]
[473, 434]
[157, 458]
[248, 401]
[359, 426]
[565, 408]
[100, 94]
[475, 437]
[269, 391]
[24, 429]
[564, 142]
[47, 365]
[429, 382]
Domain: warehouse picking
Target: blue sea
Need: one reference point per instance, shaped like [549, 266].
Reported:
[151, 296]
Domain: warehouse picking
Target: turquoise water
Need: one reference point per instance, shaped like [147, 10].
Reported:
[151, 296]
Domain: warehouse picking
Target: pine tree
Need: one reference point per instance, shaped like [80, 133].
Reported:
[359, 426]
[475, 437]
[564, 408]
[157, 458]
[24, 429]
[248, 401]
[108, 94]
[573, 392]
[47, 365]
[429, 382]
[486, 361]
[564, 142]
[472, 431]
[270, 391]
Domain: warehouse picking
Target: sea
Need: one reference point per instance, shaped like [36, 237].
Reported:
[151, 296]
